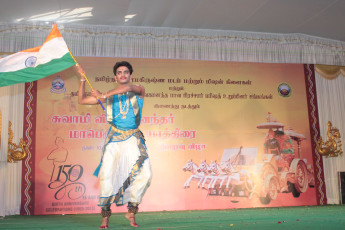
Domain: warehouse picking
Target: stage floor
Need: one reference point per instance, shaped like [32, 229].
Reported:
[305, 217]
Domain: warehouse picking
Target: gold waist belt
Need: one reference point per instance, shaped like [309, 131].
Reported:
[124, 132]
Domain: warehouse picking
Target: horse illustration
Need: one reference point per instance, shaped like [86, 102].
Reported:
[236, 177]
[211, 173]
[192, 167]
[222, 170]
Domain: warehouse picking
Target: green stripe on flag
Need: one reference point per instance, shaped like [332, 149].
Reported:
[32, 74]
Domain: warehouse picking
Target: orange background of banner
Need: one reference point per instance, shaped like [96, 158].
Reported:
[219, 124]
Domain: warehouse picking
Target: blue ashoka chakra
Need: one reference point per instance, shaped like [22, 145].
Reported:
[30, 61]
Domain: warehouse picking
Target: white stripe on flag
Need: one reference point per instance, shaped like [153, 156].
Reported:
[16, 61]
[53, 49]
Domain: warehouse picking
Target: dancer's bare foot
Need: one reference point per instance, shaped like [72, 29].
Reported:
[105, 222]
[131, 218]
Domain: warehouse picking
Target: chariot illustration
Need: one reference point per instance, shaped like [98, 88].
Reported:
[283, 168]
[240, 173]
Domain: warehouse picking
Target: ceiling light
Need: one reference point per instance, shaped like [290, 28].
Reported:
[129, 16]
[65, 15]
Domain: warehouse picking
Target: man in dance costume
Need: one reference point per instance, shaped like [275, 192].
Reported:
[124, 170]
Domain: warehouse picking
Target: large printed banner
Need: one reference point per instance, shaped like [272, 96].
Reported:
[220, 135]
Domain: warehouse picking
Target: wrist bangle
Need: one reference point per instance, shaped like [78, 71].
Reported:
[82, 80]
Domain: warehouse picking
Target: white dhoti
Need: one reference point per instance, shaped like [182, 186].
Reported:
[125, 172]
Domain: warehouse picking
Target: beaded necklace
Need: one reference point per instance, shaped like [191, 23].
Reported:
[124, 107]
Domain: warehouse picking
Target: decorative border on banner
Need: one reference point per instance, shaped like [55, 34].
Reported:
[29, 136]
[315, 133]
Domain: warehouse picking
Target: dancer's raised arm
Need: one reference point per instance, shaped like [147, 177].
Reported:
[82, 98]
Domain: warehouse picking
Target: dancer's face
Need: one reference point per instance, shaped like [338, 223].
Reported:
[122, 75]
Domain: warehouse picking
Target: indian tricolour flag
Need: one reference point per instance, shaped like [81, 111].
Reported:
[36, 63]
